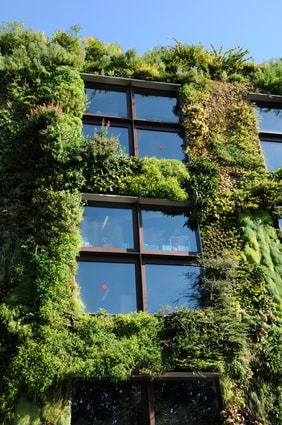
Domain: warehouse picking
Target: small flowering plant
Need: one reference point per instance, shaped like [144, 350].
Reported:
[105, 148]
[105, 160]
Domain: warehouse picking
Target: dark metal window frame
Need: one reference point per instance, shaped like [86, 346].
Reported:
[269, 102]
[131, 122]
[147, 399]
[272, 102]
[138, 256]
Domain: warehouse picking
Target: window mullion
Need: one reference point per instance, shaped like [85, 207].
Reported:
[148, 403]
[140, 278]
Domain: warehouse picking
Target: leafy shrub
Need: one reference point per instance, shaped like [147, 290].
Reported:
[159, 179]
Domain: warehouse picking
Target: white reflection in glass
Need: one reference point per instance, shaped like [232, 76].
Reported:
[172, 286]
[192, 403]
[160, 144]
[108, 286]
[167, 232]
[106, 102]
[107, 227]
[120, 132]
[160, 108]
[106, 403]
[273, 154]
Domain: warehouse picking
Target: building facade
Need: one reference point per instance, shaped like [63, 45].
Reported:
[141, 273]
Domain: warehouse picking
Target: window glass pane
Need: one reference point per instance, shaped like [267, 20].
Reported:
[181, 403]
[107, 227]
[280, 223]
[108, 286]
[172, 286]
[159, 108]
[106, 102]
[120, 132]
[103, 403]
[167, 233]
[161, 144]
[270, 119]
[273, 154]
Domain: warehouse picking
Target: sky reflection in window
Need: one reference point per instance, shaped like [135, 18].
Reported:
[107, 286]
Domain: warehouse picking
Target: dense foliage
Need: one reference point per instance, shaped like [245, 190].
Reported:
[45, 163]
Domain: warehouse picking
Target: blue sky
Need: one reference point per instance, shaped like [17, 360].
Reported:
[253, 25]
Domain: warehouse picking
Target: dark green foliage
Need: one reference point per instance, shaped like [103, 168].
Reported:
[107, 169]
[262, 246]
[236, 143]
[256, 190]
[202, 187]
[163, 178]
[232, 64]
[268, 77]
[202, 341]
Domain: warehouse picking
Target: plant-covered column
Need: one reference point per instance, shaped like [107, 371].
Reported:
[42, 101]
[232, 197]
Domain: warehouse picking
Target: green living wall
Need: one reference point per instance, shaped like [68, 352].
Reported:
[45, 164]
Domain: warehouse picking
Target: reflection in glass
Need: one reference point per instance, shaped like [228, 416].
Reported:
[108, 286]
[107, 227]
[167, 233]
[273, 154]
[280, 223]
[103, 403]
[270, 119]
[172, 286]
[159, 108]
[160, 144]
[106, 102]
[120, 132]
[191, 403]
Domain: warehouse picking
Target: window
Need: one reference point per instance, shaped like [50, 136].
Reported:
[142, 114]
[270, 124]
[108, 285]
[106, 102]
[161, 144]
[137, 256]
[270, 119]
[150, 107]
[193, 401]
[271, 136]
[272, 151]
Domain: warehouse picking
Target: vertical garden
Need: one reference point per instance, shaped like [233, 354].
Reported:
[45, 165]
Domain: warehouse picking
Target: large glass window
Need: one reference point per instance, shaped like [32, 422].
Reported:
[109, 286]
[270, 119]
[273, 154]
[191, 403]
[143, 118]
[103, 403]
[107, 227]
[106, 102]
[159, 108]
[162, 231]
[161, 144]
[172, 286]
[270, 124]
[173, 402]
[137, 257]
